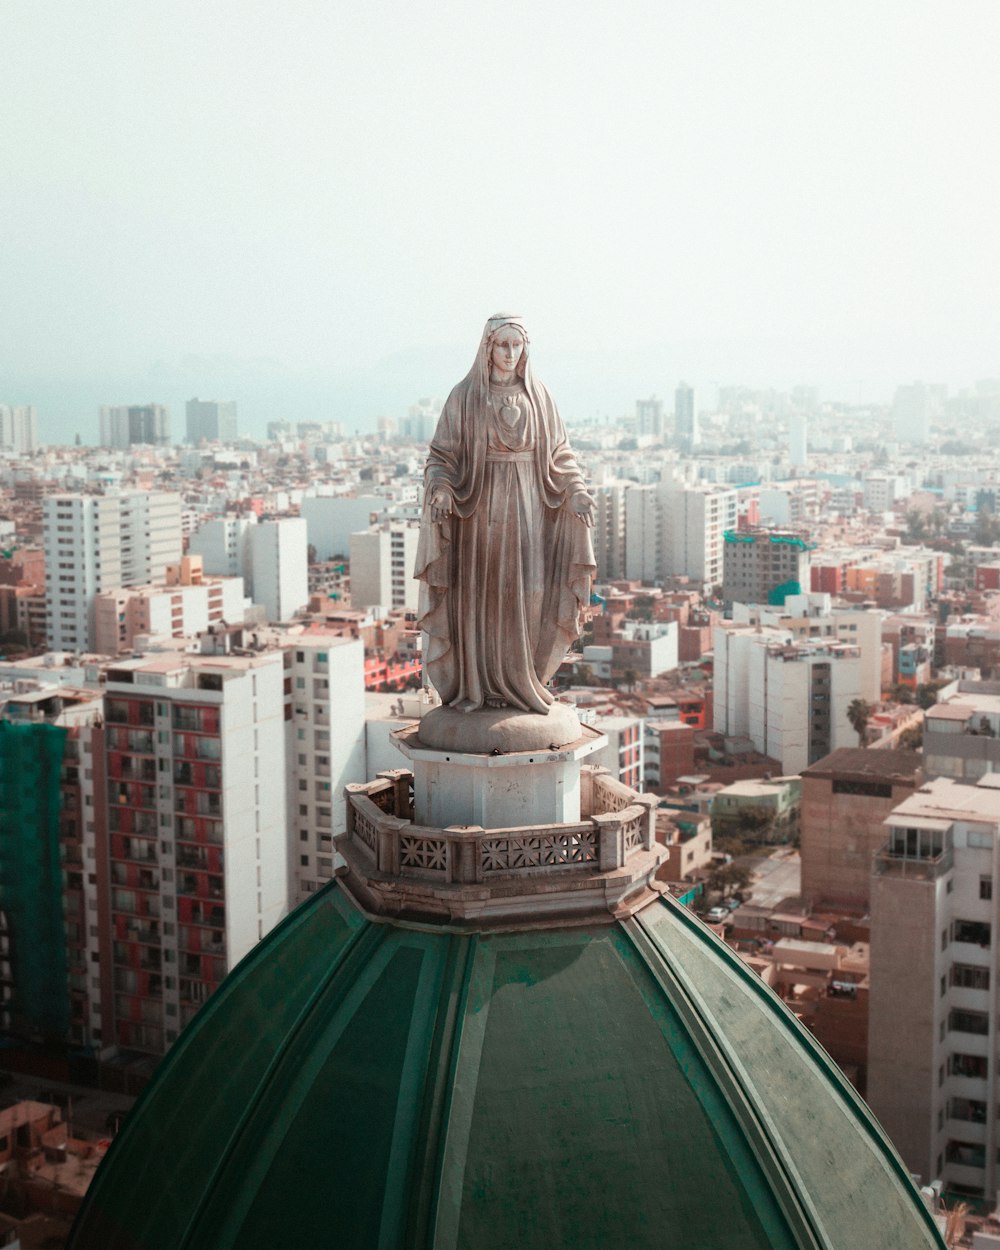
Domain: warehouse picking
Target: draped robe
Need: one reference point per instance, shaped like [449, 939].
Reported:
[505, 576]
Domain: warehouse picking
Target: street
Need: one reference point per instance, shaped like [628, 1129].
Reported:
[777, 877]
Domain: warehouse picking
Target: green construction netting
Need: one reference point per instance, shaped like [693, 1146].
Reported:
[31, 877]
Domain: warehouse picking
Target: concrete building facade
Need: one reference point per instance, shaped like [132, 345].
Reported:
[211, 420]
[18, 428]
[764, 566]
[846, 798]
[101, 542]
[129, 425]
[197, 852]
[932, 1072]
[382, 562]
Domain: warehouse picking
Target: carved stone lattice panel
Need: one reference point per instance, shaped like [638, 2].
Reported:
[632, 831]
[365, 830]
[611, 796]
[429, 854]
[546, 850]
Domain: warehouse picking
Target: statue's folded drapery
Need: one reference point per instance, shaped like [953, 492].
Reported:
[504, 577]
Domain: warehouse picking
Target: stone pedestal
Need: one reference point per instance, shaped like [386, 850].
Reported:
[496, 789]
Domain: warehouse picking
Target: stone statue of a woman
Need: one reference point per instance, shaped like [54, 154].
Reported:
[505, 553]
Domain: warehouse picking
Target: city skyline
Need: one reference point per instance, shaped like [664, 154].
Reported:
[313, 210]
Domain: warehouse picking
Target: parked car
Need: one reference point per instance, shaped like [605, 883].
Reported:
[716, 915]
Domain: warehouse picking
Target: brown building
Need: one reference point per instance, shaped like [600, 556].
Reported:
[845, 798]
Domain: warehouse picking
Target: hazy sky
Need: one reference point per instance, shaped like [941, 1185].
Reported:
[320, 203]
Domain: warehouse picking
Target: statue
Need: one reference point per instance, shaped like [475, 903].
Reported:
[505, 554]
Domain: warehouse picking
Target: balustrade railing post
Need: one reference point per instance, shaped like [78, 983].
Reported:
[649, 802]
[464, 853]
[349, 791]
[610, 841]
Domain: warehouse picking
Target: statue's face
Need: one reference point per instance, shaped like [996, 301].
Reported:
[508, 347]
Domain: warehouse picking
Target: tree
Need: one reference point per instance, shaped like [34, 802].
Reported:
[585, 674]
[859, 713]
[729, 878]
[927, 693]
[630, 677]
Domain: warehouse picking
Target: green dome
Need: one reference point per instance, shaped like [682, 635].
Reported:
[362, 1083]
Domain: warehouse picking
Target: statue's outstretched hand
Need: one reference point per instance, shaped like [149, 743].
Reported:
[441, 503]
[583, 505]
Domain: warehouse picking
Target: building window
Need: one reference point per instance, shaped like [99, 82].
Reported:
[976, 932]
[969, 977]
[969, 1022]
[986, 887]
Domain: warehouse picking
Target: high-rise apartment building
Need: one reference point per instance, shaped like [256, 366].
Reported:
[675, 530]
[100, 542]
[197, 848]
[649, 417]
[279, 567]
[272, 557]
[18, 428]
[764, 566]
[382, 561]
[211, 420]
[789, 698]
[695, 520]
[609, 531]
[798, 439]
[685, 416]
[643, 533]
[326, 748]
[932, 1043]
[127, 425]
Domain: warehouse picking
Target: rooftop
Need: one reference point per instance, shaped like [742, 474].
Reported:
[944, 799]
[862, 763]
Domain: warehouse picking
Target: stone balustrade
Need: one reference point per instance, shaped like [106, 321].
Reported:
[615, 823]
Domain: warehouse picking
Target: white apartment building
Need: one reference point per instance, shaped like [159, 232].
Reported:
[789, 698]
[196, 846]
[272, 557]
[609, 531]
[643, 534]
[224, 546]
[332, 519]
[695, 520]
[798, 442]
[326, 749]
[933, 1006]
[18, 428]
[811, 616]
[279, 567]
[95, 543]
[382, 562]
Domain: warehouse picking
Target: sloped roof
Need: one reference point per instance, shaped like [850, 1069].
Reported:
[360, 1084]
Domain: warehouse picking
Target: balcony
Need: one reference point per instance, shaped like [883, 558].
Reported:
[888, 862]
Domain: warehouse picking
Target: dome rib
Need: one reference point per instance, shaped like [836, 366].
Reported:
[794, 1096]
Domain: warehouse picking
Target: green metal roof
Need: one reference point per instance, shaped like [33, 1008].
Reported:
[362, 1084]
